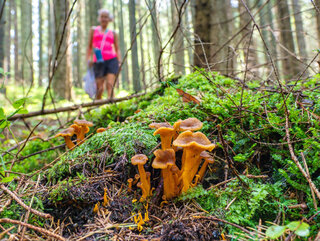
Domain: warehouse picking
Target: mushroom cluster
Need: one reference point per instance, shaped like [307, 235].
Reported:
[195, 147]
[79, 128]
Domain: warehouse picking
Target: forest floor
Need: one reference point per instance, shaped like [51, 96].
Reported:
[83, 194]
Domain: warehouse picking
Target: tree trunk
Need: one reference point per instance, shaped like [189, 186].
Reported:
[26, 41]
[8, 34]
[80, 45]
[2, 36]
[202, 30]
[17, 76]
[156, 35]
[189, 28]
[62, 78]
[290, 66]
[221, 59]
[317, 12]
[134, 50]
[141, 47]
[299, 30]
[40, 64]
[250, 56]
[178, 45]
[123, 49]
[93, 6]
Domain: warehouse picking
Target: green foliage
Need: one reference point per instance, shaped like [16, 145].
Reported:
[301, 229]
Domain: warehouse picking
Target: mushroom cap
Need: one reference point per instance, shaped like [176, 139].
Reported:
[130, 180]
[158, 125]
[164, 158]
[67, 132]
[174, 169]
[206, 156]
[76, 128]
[101, 129]
[139, 159]
[83, 123]
[164, 131]
[190, 124]
[195, 140]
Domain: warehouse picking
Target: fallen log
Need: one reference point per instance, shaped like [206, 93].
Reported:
[73, 107]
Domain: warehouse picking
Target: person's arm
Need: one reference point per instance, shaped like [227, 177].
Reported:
[116, 46]
[89, 48]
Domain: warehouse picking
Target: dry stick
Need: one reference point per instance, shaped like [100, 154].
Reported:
[73, 107]
[307, 170]
[171, 37]
[28, 212]
[18, 200]
[234, 178]
[223, 221]
[229, 161]
[38, 229]
[296, 161]
[6, 231]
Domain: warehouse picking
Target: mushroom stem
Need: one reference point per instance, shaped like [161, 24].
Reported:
[168, 183]
[130, 180]
[196, 181]
[192, 162]
[143, 178]
[136, 179]
[203, 169]
[68, 141]
[166, 141]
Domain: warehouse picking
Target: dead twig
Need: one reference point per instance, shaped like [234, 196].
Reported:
[22, 204]
[38, 229]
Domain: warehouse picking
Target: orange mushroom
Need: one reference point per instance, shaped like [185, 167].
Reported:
[193, 144]
[166, 135]
[190, 124]
[84, 128]
[101, 129]
[130, 180]
[164, 160]
[158, 125]
[207, 159]
[67, 134]
[140, 160]
[77, 131]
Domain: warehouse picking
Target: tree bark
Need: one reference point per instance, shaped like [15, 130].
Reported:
[134, 50]
[123, 49]
[178, 45]
[156, 35]
[250, 55]
[299, 29]
[26, 41]
[62, 78]
[143, 77]
[290, 66]
[2, 36]
[8, 38]
[202, 30]
[17, 76]
[40, 63]
[80, 44]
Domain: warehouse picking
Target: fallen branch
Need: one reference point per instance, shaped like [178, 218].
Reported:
[234, 178]
[38, 229]
[223, 221]
[73, 107]
[22, 204]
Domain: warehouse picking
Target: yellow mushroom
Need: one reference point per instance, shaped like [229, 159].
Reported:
[207, 159]
[84, 128]
[67, 134]
[140, 160]
[164, 160]
[193, 144]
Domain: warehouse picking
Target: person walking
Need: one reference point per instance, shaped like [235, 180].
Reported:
[103, 53]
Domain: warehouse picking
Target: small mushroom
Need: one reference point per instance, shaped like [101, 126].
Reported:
[130, 180]
[166, 135]
[84, 127]
[190, 124]
[101, 129]
[158, 125]
[207, 159]
[140, 160]
[164, 160]
[77, 131]
[67, 134]
[193, 144]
